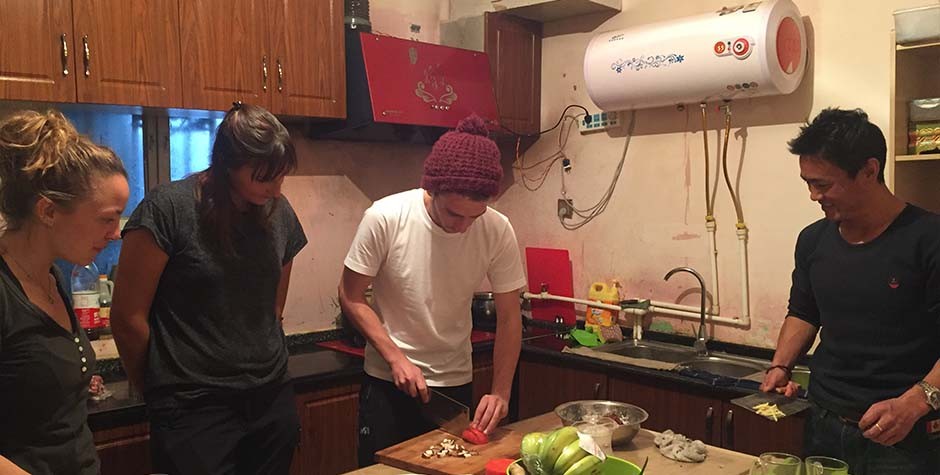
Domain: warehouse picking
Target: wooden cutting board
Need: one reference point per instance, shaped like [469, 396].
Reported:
[504, 443]
[551, 267]
[407, 455]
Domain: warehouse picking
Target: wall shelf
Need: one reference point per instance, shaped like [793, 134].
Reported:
[935, 44]
[551, 10]
[917, 158]
[915, 69]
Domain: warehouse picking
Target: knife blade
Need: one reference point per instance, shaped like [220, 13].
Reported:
[448, 414]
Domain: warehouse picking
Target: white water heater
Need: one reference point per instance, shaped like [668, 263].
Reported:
[757, 49]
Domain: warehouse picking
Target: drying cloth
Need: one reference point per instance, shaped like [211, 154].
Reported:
[680, 448]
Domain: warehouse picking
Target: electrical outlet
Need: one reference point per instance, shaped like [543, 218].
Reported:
[599, 121]
[565, 208]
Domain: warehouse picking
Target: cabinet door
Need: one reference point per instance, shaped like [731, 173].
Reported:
[308, 74]
[683, 411]
[482, 377]
[124, 450]
[223, 53]
[543, 386]
[329, 431]
[744, 431]
[36, 54]
[514, 46]
[128, 52]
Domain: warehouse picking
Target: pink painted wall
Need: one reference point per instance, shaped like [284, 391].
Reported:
[656, 218]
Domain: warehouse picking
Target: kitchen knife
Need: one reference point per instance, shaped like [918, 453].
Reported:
[447, 413]
[788, 406]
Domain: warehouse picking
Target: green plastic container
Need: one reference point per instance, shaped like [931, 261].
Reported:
[801, 376]
[611, 466]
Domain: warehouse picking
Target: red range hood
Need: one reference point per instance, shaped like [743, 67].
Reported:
[407, 90]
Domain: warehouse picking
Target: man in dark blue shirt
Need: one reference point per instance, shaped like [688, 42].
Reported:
[867, 279]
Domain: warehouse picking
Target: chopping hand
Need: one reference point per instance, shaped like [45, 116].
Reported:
[777, 380]
[409, 380]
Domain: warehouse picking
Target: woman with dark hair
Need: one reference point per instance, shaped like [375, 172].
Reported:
[61, 197]
[201, 286]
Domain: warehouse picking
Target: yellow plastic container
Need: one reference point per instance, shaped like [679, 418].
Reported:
[595, 317]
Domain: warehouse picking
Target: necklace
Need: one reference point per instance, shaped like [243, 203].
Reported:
[47, 289]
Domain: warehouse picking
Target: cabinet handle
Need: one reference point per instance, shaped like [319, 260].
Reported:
[729, 430]
[280, 76]
[65, 55]
[597, 390]
[87, 56]
[264, 73]
[709, 424]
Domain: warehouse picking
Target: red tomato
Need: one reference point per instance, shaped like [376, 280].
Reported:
[474, 436]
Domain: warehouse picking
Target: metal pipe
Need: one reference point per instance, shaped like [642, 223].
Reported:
[700, 342]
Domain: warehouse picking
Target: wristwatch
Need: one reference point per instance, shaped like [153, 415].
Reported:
[932, 393]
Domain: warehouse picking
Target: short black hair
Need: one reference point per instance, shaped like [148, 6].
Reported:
[843, 137]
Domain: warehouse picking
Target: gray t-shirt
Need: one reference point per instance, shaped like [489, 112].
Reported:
[212, 321]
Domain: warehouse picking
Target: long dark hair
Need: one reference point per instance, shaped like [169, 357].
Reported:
[248, 136]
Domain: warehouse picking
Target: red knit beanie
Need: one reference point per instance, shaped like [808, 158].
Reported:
[464, 161]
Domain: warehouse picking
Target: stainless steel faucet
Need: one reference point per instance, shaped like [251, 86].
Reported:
[700, 342]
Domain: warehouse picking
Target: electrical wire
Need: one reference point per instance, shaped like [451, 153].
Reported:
[534, 184]
[588, 214]
[560, 119]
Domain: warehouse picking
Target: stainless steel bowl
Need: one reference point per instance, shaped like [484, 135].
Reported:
[629, 416]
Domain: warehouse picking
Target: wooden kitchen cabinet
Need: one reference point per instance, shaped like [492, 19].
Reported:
[124, 450]
[308, 49]
[329, 429]
[482, 376]
[744, 431]
[543, 386]
[37, 59]
[94, 51]
[284, 55]
[224, 56]
[697, 412]
[687, 412]
[514, 46]
[127, 52]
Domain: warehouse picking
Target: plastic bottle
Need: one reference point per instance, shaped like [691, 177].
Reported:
[105, 289]
[595, 317]
[85, 298]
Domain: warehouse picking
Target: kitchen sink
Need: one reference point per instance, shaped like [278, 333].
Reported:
[724, 366]
[650, 351]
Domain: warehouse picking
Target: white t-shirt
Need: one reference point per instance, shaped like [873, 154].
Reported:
[424, 280]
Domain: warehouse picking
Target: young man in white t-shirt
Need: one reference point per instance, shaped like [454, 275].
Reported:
[425, 252]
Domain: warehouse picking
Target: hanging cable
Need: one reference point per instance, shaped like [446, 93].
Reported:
[534, 183]
[588, 214]
[560, 119]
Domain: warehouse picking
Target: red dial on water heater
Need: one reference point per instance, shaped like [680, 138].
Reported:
[741, 48]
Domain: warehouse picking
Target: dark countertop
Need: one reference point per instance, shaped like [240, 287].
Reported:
[305, 369]
[549, 350]
[310, 365]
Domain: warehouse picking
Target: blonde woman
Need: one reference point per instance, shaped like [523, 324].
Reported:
[61, 197]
